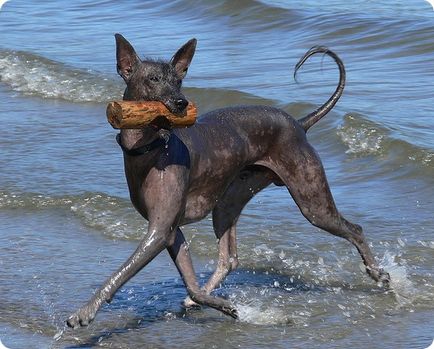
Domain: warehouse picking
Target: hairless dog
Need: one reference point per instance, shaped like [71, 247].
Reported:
[179, 176]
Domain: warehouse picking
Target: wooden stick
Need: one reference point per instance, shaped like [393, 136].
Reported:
[134, 115]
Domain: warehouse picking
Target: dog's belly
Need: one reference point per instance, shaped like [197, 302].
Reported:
[228, 194]
[201, 202]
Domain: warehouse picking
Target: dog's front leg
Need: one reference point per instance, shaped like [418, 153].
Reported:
[162, 197]
[149, 247]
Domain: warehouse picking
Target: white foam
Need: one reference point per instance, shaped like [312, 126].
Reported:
[110, 215]
[361, 138]
[34, 75]
[259, 315]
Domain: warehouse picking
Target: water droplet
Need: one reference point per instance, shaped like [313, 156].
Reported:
[58, 335]
[401, 242]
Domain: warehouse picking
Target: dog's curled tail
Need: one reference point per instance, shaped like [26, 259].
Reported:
[311, 119]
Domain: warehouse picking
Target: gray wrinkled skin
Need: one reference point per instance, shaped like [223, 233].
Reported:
[215, 166]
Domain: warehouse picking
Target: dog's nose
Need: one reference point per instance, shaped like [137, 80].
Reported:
[181, 104]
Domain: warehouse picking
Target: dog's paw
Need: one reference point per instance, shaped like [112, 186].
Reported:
[231, 311]
[384, 279]
[381, 277]
[83, 317]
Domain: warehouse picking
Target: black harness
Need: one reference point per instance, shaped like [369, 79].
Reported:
[144, 148]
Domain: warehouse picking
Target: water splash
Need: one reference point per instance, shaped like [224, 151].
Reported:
[273, 303]
[257, 314]
[401, 285]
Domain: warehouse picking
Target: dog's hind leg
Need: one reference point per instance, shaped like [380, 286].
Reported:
[303, 174]
[225, 216]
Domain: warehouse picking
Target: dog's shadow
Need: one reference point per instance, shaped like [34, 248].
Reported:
[147, 304]
[138, 307]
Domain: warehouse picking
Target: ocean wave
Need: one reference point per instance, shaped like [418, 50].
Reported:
[35, 75]
[114, 217]
[246, 13]
[208, 99]
[363, 137]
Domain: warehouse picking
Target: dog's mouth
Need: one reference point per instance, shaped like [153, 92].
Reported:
[177, 107]
[161, 122]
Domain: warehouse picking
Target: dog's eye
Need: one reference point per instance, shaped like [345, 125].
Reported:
[154, 78]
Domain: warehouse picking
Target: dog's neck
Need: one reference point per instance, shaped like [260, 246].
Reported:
[132, 139]
[137, 138]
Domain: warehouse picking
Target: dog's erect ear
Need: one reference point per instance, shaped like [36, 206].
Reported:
[182, 58]
[126, 57]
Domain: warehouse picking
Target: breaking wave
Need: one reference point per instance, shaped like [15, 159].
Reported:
[363, 137]
[34, 75]
[114, 217]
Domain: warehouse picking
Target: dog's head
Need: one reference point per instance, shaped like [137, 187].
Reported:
[151, 80]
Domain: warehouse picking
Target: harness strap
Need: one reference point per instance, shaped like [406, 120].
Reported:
[143, 149]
